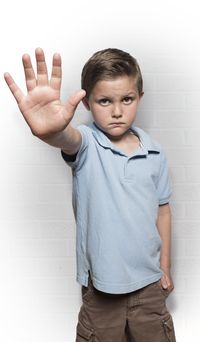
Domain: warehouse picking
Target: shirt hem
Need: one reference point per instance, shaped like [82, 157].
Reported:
[119, 288]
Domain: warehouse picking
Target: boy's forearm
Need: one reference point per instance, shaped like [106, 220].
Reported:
[164, 228]
[68, 139]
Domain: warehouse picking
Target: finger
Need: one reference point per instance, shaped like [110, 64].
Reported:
[29, 72]
[74, 100]
[56, 75]
[164, 282]
[169, 283]
[42, 74]
[15, 90]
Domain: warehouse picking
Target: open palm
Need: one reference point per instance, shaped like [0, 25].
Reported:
[41, 107]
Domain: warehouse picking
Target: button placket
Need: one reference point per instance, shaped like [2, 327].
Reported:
[131, 160]
[128, 160]
[125, 167]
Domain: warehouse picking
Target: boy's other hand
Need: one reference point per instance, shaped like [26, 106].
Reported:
[41, 107]
[166, 281]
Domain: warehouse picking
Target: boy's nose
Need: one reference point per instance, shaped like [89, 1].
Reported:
[117, 111]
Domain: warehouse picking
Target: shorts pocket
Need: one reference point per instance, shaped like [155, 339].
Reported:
[84, 333]
[168, 327]
[87, 291]
[165, 292]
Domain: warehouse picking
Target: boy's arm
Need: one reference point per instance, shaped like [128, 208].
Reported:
[42, 109]
[164, 228]
[69, 140]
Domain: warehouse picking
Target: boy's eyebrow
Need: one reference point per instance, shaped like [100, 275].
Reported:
[126, 94]
[133, 92]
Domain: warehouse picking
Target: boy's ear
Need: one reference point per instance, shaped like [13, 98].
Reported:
[141, 95]
[86, 103]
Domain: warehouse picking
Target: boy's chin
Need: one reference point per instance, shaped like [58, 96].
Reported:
[116, 134]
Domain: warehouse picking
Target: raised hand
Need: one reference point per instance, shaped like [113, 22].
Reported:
[41, 107]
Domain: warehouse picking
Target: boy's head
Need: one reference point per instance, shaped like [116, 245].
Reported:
[113, 84]
[110, 64]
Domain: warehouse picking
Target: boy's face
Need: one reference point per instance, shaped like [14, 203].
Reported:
[114, 104]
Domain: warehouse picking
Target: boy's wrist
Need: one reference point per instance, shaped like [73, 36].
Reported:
[165, 268]
[50, 136]
[56, 139]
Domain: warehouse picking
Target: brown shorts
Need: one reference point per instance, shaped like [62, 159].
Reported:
[139, 316]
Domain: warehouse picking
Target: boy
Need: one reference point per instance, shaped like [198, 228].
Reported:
[121, 195]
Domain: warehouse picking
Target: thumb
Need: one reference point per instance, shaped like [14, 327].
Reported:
[73, 101]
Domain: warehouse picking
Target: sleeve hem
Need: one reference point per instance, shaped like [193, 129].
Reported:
[76, 161]
[161, 204]
[164, 201]
[68, 157]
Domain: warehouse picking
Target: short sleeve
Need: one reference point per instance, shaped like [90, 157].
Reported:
[164, 189]
[77, 160]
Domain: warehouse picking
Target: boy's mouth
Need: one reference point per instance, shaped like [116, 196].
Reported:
[116, 123]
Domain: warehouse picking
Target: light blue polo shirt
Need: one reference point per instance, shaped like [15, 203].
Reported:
[115, 200]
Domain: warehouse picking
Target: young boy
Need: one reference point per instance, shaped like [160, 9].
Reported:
[121, 192]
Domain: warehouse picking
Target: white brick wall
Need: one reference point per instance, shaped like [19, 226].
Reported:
[39, 296]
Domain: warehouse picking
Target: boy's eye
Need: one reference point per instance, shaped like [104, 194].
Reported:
[128, 99]
[104, 102]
